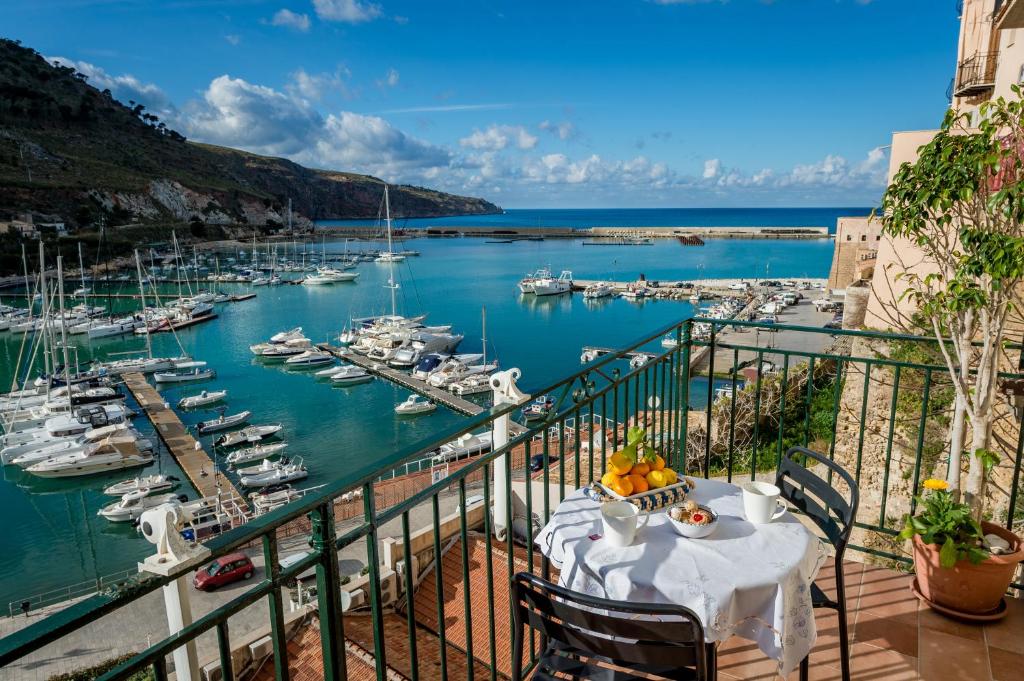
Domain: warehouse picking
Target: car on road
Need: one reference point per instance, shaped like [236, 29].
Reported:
[537, 462]
[227, 569]
[739, 286]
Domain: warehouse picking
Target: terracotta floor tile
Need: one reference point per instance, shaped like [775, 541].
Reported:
[1006, 666]
[886, 593]
[929, 619]
[742, 659]
[896, 632]
[1008, 633]
[945, 657]
[869, 663]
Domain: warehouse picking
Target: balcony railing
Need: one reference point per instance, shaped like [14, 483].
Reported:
[976, 74]
[880, 408]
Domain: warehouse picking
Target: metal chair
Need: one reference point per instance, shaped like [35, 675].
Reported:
[834, 515]
[585, 637]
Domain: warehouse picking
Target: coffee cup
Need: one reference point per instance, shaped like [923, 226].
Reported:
[621, 520]
[761, 503]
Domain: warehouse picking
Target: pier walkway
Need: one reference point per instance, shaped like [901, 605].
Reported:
[185, 449]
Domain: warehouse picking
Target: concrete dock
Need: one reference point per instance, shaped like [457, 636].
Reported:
[185, 449]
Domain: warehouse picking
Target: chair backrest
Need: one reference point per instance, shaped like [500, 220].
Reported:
[833, 514]
[627, 634]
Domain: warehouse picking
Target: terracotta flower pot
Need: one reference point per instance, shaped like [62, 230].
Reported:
[965, 587]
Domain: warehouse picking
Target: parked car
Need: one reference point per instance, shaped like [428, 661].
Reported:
[739, 286]
[537, 462]
[233, 567]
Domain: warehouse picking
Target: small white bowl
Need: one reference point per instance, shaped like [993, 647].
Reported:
[695, 531]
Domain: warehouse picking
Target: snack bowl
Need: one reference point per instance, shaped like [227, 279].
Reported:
[679, 517]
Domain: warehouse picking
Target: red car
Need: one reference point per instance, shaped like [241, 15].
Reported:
[225, 570]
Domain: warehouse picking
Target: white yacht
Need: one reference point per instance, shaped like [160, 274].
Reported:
[116, 327]
[415, 404]
[433, 362]
[422, 344]
[33, 452]
[196, 374]
[282, 351]
[223, 423]
[157, 482]
[453, 369]
[350, 375]
[66, 425]
[116, 452]
[202, 399]
[133, 504]
[549, 286]
[272, 473]
[309, 358]
[250, 434]
[285, 336]
[255, 453]
[389, 255]
[598, 290]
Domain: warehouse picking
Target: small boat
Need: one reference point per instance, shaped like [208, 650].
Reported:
[549, 286]
[273, 473]
[202, 399]
[328, 372]
[538, 409]
[158, 482]
[196, 374]
[251, 434]
[670, 341]
[309, 358]
[598, 290]
[133, 504]
[277, 352]
[285, 336]
[223, 423]
[350, 375]
[415, 404]
[273, 497]
[526, 283]
[638, 361]
[255, 453]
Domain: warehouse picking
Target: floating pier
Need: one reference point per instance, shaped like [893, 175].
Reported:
[185, 449]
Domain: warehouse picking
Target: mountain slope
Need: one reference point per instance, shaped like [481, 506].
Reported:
[69, 150]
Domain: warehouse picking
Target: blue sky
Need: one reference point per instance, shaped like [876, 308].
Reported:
[533, 104]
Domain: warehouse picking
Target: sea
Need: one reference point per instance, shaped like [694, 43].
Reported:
[54, 542]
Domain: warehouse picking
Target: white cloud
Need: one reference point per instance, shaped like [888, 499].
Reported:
[564, 130]
[352, 140]
[347, 11]
[315, 87]
[390, 79]
[497, 137]
[712, 167]
[124, 88]
[233, 39]
[289, 19]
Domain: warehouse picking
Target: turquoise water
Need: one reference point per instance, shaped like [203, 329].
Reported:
[636, 217]
[53, 536]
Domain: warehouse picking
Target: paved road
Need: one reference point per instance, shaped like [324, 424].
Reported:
[135, 626]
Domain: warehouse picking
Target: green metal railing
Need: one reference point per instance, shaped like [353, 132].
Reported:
[894, 421]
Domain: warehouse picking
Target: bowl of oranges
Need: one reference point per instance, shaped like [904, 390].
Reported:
[625, 478]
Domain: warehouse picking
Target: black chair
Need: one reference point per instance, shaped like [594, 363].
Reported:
[834, 515]
[585, 637]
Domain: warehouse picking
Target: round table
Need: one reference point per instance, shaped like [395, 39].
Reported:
[746, 580]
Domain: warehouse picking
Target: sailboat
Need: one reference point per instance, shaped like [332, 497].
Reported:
[390, 255]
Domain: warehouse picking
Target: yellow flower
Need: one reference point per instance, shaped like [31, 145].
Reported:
[936, 484]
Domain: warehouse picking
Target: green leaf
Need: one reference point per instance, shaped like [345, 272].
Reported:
[635, 435]
[948, 554]
[629, 451]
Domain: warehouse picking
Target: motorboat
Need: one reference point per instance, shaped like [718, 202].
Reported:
[526, 284]
[157, 482]
[285, 336]
[421, 344]
[328, 372]
[638, 361]
[310, 358]
[202, 399]
[634, 292]
[133, 504]
[34, 452]
[255, 453]
[113, 453]
[143, 365]
[467, 445]
[223, 423]
[282, 351]
[350, 375]
[538, 409]
[250, 434]
[66, 425]
[196, 374]
[453, 370]
[549, 286]
[434, 362]
[670, 342]
[33, 417]
[598, 290]
[273, 497]
[471, 385]
[415, 404]
[275, 474]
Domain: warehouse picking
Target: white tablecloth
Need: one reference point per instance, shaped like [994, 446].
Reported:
[744, 580]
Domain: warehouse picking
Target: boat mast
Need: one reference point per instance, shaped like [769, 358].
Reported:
[63, 324]
[28, 289]
[483, 323]
[42, 317]
[387, 218]
[81, 270]
[142, 297]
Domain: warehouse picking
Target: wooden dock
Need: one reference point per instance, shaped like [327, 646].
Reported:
[185, 449]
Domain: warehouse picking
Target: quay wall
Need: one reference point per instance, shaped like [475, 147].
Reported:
[505, 232]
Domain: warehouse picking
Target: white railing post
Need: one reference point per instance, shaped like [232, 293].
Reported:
[503, 387]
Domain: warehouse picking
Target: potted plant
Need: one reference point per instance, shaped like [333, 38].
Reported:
[962, 567]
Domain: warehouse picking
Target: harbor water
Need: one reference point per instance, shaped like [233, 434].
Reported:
[53, 536]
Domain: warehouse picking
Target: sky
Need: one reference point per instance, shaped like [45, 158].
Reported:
[557, 103]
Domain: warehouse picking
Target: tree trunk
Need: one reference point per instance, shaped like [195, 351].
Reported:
[958, 430]
[981, 432]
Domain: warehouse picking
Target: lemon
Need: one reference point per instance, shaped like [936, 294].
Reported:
[656, 479]
[609, 479]
[619, 464]
[671, 477]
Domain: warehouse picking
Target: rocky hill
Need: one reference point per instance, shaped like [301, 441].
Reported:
[70, 150]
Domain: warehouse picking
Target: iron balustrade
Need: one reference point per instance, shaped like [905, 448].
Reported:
[976, 74]
[796, 395]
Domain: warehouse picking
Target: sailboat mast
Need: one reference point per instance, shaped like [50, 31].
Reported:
[142, 297]
[387, 218]
[81, 270]
[42, 315]
[483, 324]
[28, 288]
[63, 323]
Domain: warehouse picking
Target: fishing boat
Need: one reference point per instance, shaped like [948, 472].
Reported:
[415, 404]
[158, 482]
[598, 290]
[114, 453]
[255, 453]
[309, 358]
[251, 434]
[273, 473]
[526, 284]
[549, 286]
[223, 423]
[202, 399]
[350, 375]
[196, 374]
[538, 409]
[133, 504]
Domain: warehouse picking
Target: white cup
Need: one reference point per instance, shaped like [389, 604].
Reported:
[761, 502]
[621, 520]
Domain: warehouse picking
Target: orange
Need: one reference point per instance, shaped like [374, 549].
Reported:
[619, 464]
[623, 487]
[659, 463]
[641, 468]
[656, 479]
[639, 483]
[609, 480]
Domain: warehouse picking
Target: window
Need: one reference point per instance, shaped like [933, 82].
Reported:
[863, 237]
[849, 238]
